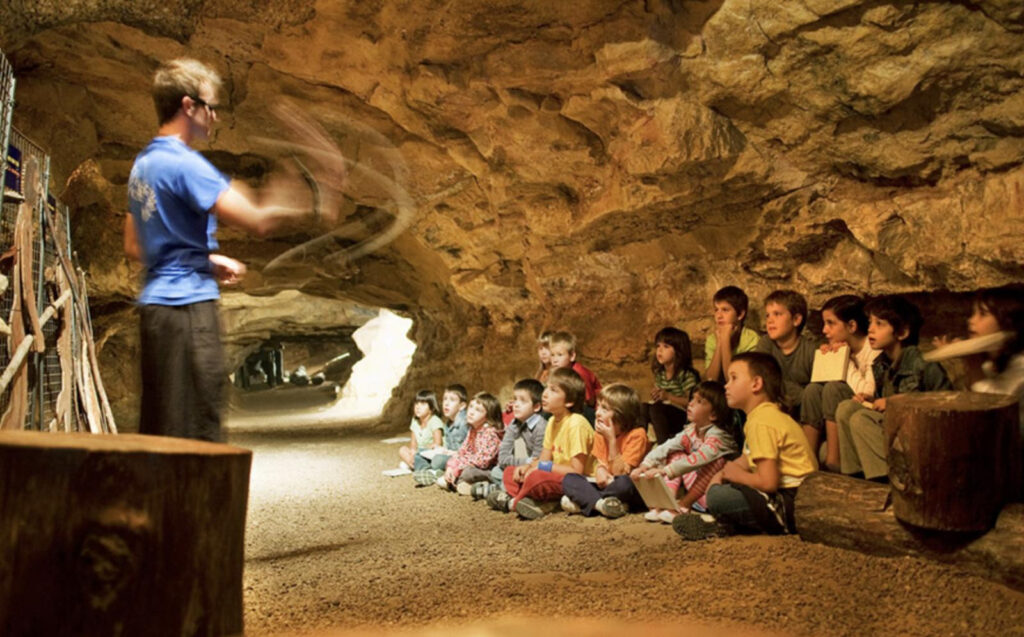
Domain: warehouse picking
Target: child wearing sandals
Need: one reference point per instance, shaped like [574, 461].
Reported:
[621, 442]
[692, 457]
[479, 450]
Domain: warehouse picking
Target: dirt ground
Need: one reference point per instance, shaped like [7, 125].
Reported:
[332, 544]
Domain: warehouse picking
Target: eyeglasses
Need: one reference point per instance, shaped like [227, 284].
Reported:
[198, 100]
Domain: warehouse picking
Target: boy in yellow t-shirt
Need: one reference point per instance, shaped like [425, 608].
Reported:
[533, 490]
[755, 492]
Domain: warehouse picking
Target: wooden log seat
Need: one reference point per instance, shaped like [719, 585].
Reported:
[954, 458]
[848, 513]
[120, 535]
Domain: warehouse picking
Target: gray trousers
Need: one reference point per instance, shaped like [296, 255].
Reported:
[862, 444]
[820, 401]
[474, 474]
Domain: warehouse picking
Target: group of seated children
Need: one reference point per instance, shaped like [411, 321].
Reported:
[732, 454]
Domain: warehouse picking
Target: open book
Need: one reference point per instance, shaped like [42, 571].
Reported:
[656, 493]
[430, 453]
[831, 365]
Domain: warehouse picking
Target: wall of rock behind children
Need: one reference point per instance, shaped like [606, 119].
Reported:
[601, 166]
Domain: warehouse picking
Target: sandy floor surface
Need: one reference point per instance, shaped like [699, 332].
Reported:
[332, 544]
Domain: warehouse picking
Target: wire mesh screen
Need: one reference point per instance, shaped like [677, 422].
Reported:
[50, 379]
[6, 99]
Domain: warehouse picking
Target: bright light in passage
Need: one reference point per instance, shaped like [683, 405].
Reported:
[387, 353]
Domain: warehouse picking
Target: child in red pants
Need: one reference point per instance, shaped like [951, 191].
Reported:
[534, 490]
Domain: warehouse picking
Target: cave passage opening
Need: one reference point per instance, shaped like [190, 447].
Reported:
[317, 383]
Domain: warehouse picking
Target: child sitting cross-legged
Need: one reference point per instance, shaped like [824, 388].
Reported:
[527, 428]
[480, 448]
[621, 442]
[690, 459]
[426, 470]
[533, 490]
[893, 327]
[755, 492]
[426, 428]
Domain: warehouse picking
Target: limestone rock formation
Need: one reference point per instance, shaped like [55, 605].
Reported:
[599, 165]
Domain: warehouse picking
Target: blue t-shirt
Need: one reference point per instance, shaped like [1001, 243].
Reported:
[171, 191]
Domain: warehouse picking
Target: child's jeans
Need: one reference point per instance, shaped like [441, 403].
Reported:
[746, 510]
[586, 493]
[439, 462]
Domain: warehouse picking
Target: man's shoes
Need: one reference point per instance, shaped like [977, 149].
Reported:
[611, 507]
[654, 515]
[530, 509]
[426, 477]
[481, 490]
[569, 506]
[696, 526]
[668, 516]
[498, 500]
[464, 488]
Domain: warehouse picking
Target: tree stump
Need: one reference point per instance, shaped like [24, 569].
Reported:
[851, 514]
[120, 535]
[954, 458]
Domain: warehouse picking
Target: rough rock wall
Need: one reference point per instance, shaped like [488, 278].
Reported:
[602, 166]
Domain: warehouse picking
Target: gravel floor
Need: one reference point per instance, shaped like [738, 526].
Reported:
[333, 544]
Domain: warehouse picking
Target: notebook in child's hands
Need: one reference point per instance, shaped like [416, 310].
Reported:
[829, 366]
[655, 493]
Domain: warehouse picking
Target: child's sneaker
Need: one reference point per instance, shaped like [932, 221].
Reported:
[443, 484]
[464, 488]
[569, 506]
[667, 516]
[498, 500]
[530, 509]
[403, 466]
[654, 515]
[611, 507]
[425, 477]
[694, 526]
[481, 490]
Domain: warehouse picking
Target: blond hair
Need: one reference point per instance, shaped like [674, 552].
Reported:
[175, 79]
[565, 338]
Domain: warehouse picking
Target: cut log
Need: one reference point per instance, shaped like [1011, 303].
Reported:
[954, 458]
[848, 513]
[120, 535]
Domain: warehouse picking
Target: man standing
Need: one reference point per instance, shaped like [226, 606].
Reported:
[176, 197]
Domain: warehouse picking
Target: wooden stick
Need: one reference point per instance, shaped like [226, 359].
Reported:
[26, 343]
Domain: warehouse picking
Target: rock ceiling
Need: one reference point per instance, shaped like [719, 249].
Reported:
[601, 165]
